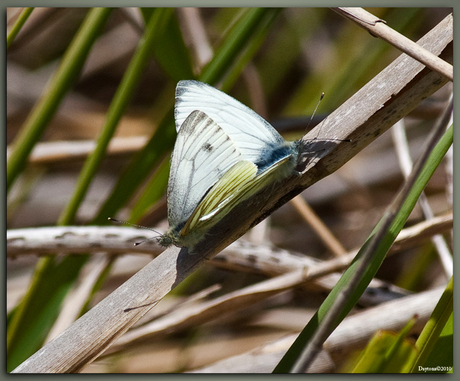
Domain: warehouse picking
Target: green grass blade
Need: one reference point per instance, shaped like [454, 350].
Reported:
[124, 93]
[26, 12]
[63, 80]
[259, 35]
[432, 331]
[442, 353]
[274, 67]
[139, 168]
[234, 42]
[26, 329]
[154, 190]
[177, 61]
[294, 352]
[386, 352]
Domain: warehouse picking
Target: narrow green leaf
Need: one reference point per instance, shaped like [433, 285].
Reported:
[119, 103]
[26, 329]
[242, 60]
[177, 61]
[154, 190]
[433, 328]
[234, 42]
[292, 355]
[386, 352]
[25, 13]
[291, 40]
[140, 166]
[442, 354]
[62, 81]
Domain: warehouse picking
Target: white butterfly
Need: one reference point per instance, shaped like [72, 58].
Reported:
[224, 153]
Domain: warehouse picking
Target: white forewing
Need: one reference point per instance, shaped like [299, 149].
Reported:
[202, 154]
[252, 134]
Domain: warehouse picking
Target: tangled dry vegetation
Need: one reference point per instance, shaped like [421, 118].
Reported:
[242, 309]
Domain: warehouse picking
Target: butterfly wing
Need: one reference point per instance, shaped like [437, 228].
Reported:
[202, 154]
[257, 140]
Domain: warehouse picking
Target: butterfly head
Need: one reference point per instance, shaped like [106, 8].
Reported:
[175, 237]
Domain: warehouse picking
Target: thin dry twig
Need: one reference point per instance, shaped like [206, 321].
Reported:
[318, 226]
[51, 152]
[378, 27]
[402, 150]
[194, 315]
[240, 255]
[79, 239]
[193, 28]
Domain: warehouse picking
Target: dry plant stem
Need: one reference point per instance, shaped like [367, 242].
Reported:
[93, 332]
[240, 256]
[80, 239]
[378, 28]
[327, 325]
[193, 27]
[371, 111]
[117, 240]
[52, 152]
[405, 162]
[318, 226]
[407, 236]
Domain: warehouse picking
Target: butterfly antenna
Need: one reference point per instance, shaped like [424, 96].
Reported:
[137, 226]
[314, 111]
[312, 115]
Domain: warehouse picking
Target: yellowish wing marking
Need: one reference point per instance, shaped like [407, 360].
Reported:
[238, 183]
[253, 186]
[236, 177]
